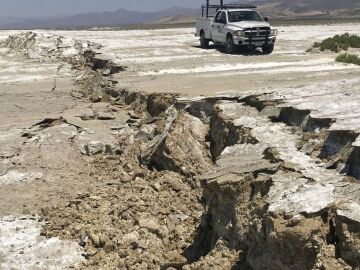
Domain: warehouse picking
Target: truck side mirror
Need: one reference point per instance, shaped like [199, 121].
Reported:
[266, 19]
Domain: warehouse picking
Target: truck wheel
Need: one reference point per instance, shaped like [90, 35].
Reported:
[268, 49]
[230, 46]
[204, 42]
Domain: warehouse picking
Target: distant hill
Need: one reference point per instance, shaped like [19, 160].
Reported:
[300, 8]
[289, 9]
[122, 17]
[115, 18]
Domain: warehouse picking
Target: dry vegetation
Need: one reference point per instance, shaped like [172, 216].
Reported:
[348, 58]
[338, 43]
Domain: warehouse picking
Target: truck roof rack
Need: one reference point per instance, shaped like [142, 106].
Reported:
[205, 8]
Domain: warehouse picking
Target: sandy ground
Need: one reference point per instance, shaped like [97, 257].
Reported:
[171, 61]
[39, 170]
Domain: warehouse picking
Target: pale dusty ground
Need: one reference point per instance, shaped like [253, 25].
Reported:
[21, 246]
[36, 172]
[40, 169]
[170, 60]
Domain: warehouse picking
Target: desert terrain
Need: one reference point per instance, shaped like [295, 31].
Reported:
[137, 149]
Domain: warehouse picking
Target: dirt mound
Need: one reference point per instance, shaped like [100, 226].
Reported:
[136, 216]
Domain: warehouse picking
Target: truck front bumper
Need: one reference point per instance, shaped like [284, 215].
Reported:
[254, 41]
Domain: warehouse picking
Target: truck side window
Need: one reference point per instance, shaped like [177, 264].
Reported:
[223, 18]
[218, 16]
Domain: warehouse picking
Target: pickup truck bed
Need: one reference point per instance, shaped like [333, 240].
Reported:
[205, 25]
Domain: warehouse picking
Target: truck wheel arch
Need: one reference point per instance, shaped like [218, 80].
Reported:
[229, 35]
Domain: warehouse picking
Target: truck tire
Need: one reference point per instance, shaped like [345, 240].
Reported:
[204, 42]
[229, 45]
[268, 49]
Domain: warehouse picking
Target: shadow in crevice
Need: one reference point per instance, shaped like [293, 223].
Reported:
[203, 240]
[336, 140]
[242, 265]
[216, 223]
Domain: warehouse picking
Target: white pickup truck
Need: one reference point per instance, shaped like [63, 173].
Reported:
[237, 27]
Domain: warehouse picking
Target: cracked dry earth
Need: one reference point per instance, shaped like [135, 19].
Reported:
[97, 177]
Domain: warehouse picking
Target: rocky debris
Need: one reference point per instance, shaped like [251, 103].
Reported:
[143, 104]
[157, 104]
[150, 224]
[146, 131]
[93, 148]
[137, 217]
[184, 148]
[106, 66]
[99, 112]
[106, 116]
[92, 84]
[132, 222]
[46, 47]
[219, 258]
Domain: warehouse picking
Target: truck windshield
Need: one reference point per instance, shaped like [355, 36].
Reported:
[238, 16]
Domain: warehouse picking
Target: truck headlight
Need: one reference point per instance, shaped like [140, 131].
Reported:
[274, 32]
[239, 33]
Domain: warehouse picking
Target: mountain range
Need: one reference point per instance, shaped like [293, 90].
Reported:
[113, 18]
[301, 8]
[121, 17]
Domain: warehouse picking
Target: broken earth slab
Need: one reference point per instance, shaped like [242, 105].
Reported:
[314, 189]
[45, 46]
[282, 193]
[22, 247]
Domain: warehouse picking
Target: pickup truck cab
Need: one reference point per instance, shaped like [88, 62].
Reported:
[243, 27]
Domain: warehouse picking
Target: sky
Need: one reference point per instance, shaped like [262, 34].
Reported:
[45, 8]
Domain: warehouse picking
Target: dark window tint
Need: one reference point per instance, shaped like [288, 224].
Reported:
[238, 16]
[223, 17]
[218, 16]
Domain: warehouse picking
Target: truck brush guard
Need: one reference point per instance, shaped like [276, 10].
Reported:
[257, 31]
[256, 34]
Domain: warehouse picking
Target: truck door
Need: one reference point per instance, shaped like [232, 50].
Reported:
[218, 27]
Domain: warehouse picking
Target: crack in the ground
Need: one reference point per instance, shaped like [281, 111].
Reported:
[208, 183]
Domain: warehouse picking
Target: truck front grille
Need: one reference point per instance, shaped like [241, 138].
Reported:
[257, 31]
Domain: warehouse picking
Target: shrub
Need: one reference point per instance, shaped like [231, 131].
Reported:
[339, 43]
[348, 58]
